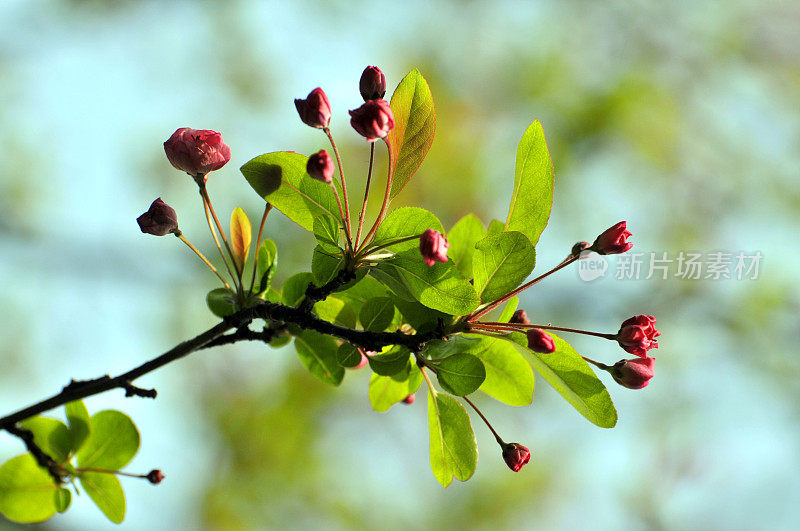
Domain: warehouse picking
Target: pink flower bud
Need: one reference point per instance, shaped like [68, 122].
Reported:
[540, 341]
[578, 248]
[433, 247]
[637, 335]
[519, 317]
[315, 110]
[516, 456]
[409, 399]
[197, 151]
[372, 84]
[159, 220]
[155, 477]
[613, 240]
[373, 120]
[320, 166]
[633, 374]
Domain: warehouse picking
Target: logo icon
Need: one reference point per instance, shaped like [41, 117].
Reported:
[591, 266]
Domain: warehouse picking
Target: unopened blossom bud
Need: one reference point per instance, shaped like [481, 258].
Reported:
[516, 456]
[638, 334]
[320, 166]
[519, 317]
[540, 341]
[633, 374]
[197, 151]
[372, 84]
[159, 220]
[155, 477]
[433, 246]
[409, 399]
[613, 240]
[579, 247]
[373, 120]
[315, 110]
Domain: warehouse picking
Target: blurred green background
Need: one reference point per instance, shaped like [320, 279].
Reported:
[679, 117]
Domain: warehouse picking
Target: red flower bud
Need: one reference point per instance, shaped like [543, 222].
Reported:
[373, 120]
[637, 335]
[540, 341]
[197, 151]
[372, 84]
[516, 456]
[409, 399]
[315, 110]
[159, 220]
[633, 374]
[155, 477]
[519, 317]
[613, 240]
[579, 247]
[320, 166]
[433, 247]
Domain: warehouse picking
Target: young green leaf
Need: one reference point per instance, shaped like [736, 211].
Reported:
[509, 377]
[294, 289]
[532, 197]
[453, 449]
[62, 498]
[390, 362]
[78, 420]
[266, 265]
[500, 264]
[348, 356]
[335, 310]
[460, 374]
[318, 354]
[376, 314]
[325, 265]
[113, 442]
[495, 227]
[326, 231]
[414, 127]
[50, 435]
[241, 236]
[27, 492]
[222, 302]
[106, 492]
[405, 222]
[281, 179]
[385, 391]
[508, 310]
[574, 379]
[462, 239]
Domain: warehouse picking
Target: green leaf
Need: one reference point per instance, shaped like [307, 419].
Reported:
[336, 311]
[453, 449]
[360, 292]
[348, 356]
[113, 442]
[241, 236]
[533, 185]
[495, 227]
[78, 420]
[414, 127]
[390, 361]
[318, 354]
[326, 231]
[62, 498]
[27, 492]
[106, 492]
[509, 377]
[385, 391]
[404, 223]
[50, 435]
[281, 179]
[574, 379]
[462, 239]
[267, 264]
[377, 314]
[325, 266]
[501, 262]
[222, 302]
[440, 286]
[508, 310]
[419, 316]
[460, 374]
[294, 289]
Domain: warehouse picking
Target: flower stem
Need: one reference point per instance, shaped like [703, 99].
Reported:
[115, 472]
[267, 208]
[597, 363]
[366, 193]
[478, 411]
[517, 327]
[216, 240]
[341, 214]
[386, 198]
[203, 258]
[346, 217]
[389, 244]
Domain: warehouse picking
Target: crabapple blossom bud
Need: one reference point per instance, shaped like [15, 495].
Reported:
[638, 334]
[516, 456]
[409, 399]
[159, 220]
[519, 317]
[373, 120]
[197, 151]
[578, 248]
[633, 374]
[613, 240]
[155, 477]
[540, 341]
[315, 110]
[320, 166]
[372, 84]
[433, 246]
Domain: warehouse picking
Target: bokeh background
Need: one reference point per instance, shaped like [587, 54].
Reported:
[679, 117]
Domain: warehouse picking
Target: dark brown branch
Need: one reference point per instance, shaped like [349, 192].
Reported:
[132, 390]
[44, 460]
[315, 294]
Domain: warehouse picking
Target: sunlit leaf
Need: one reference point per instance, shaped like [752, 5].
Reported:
[500, 264]
[462, 239]
[460, 374]
[106, 492]
[27, 492]
[78, 420]
[326, 231]
[406, 222]
[318, 354]
[50, 435]
[113, 441]
[376, 314]
[389, 362]
[453, 449]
